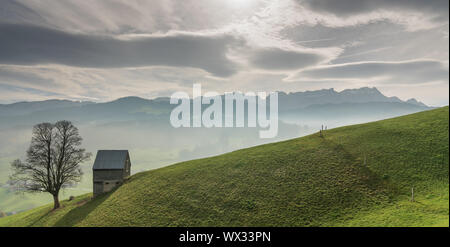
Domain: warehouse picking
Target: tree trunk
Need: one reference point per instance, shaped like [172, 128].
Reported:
[55, 201]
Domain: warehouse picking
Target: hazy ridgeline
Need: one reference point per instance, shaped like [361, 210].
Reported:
[143, 127]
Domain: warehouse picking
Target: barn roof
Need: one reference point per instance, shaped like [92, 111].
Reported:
[110, 159]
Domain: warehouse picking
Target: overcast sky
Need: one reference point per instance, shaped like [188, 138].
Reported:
[100, 50]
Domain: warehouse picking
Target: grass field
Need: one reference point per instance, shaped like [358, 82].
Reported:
[358, 175]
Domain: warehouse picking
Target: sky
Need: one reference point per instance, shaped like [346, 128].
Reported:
[101, 50]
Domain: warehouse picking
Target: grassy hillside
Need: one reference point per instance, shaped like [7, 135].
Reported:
[309, 181]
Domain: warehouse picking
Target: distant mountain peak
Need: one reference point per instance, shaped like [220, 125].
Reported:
[130, 99]
[415, 102]
[363, 90]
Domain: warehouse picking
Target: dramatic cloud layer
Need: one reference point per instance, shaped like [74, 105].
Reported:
[104, 49]
[387, 72]
[23, 44]
[352, 7]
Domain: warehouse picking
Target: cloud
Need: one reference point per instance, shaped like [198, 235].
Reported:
[412, 15]
[280, 59]
[404, 72]
[12, 11]
[94, 84]
[128, 16]
[102, 50]
[29, 45]
[354, 7]
[13, 76]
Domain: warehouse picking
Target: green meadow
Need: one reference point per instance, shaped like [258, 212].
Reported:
[359, 175]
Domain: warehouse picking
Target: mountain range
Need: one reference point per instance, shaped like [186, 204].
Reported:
[140, 108]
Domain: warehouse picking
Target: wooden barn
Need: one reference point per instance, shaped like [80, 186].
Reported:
[110, 168]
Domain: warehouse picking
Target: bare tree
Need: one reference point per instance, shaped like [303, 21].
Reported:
[52, 160]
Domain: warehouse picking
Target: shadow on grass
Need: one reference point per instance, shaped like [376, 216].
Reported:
[77, 214]
[373, 180]
[40, 218]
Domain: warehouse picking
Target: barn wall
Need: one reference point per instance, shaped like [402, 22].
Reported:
[100, 175]
[98, 188]
[106, 180]
[127, 170]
